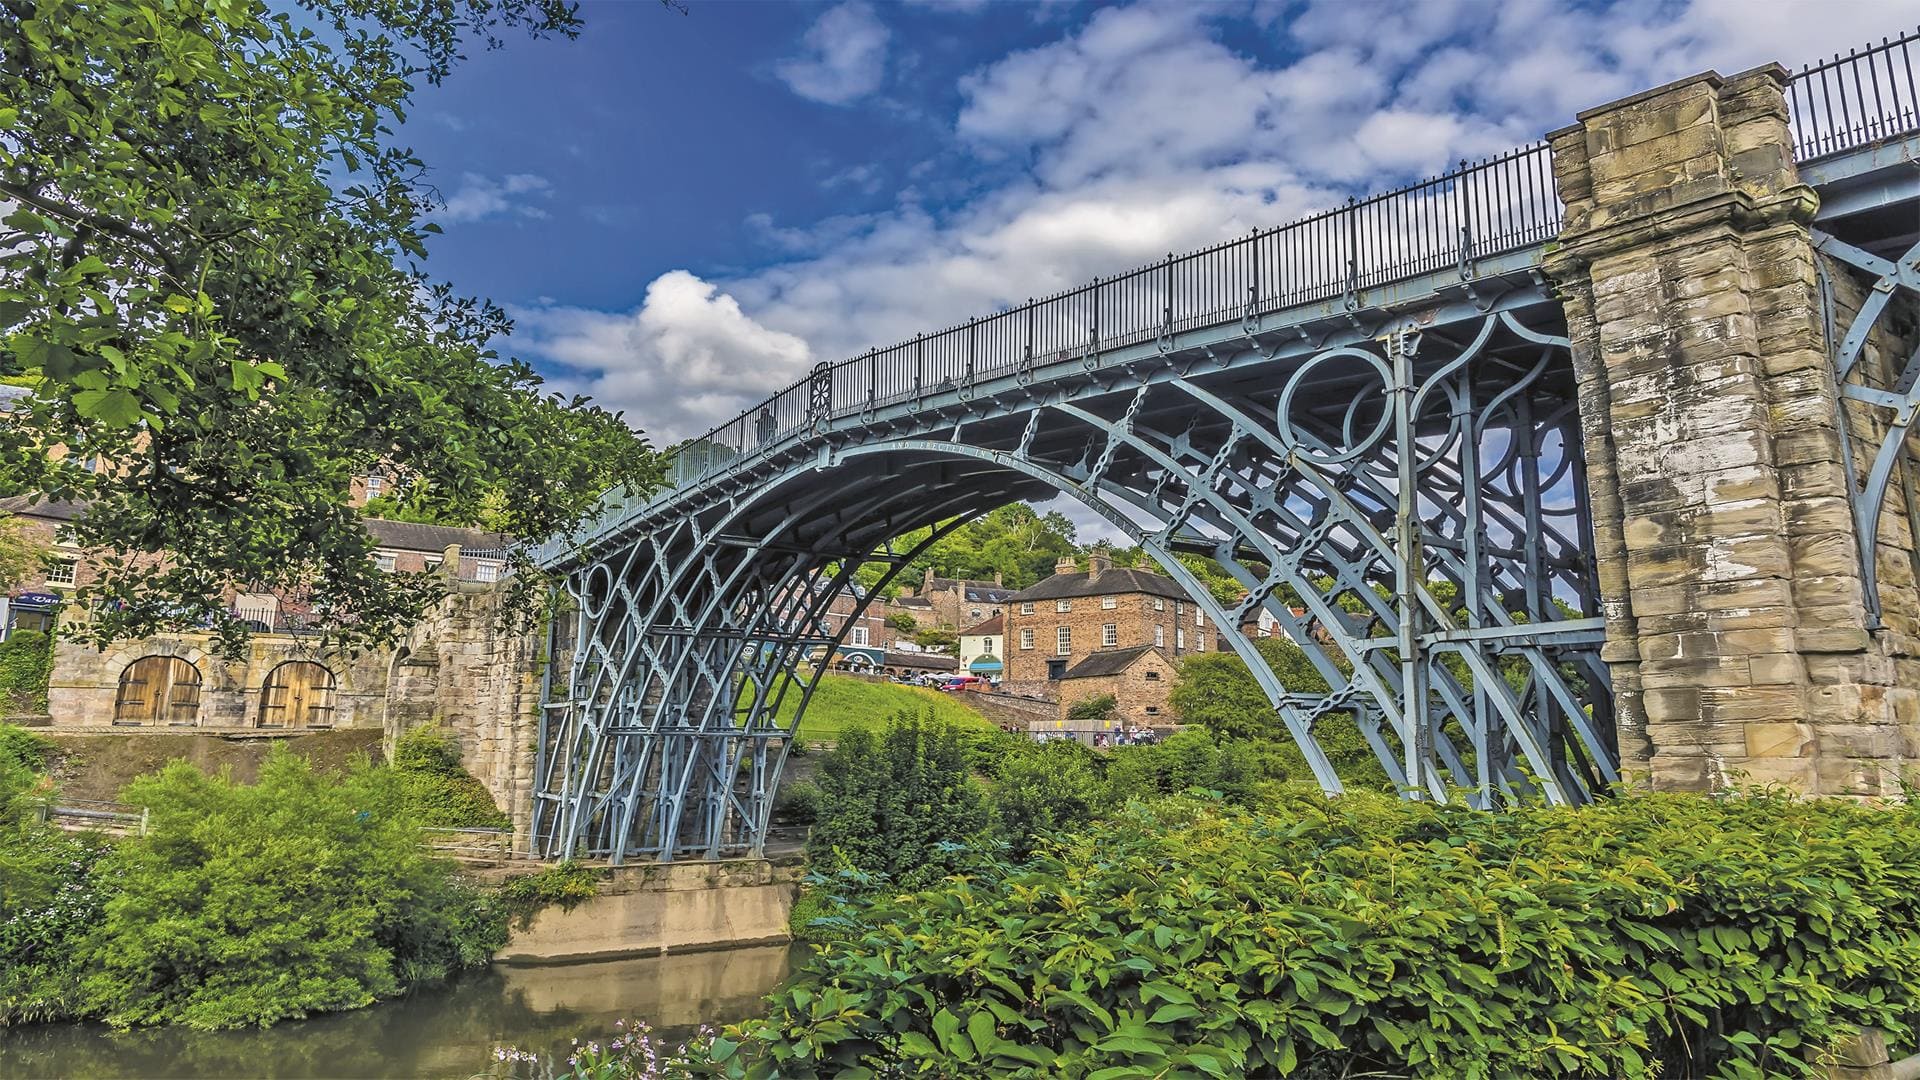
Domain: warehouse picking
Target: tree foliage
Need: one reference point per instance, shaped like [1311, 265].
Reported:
[209, 277]
[1015, 541]
[1216, 691]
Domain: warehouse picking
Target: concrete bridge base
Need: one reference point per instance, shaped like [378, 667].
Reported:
[650, 909]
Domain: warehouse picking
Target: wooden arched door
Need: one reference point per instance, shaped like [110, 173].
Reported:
[297, 694]
[158, 690]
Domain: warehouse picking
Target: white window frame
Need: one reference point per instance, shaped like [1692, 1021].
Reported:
[1026, 608]
[63, 570]
[376, 485]
[1108, 603]
[1159, 636]
[1199, 617]
[1179, 637]
[1062, 606]
[1063, 641]
[386, 560]
[1179, 607]
[1159, 603]
[1109, 635]
[1026, 638]
[859, 636]
[486, 572]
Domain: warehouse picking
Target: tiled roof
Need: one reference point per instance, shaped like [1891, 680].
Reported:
[987, 594]
[45, 508]
[1109, 583]
[913, 601]
[1108, 662]
[995, 625]
[412, 536]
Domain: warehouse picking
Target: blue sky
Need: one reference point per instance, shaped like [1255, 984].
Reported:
[684, 212]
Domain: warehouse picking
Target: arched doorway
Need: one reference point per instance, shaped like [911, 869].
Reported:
[298, 693]
[158, 690]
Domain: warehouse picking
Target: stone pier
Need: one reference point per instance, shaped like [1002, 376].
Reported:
[1739, 637]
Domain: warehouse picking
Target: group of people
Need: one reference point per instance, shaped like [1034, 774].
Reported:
[1102, 740]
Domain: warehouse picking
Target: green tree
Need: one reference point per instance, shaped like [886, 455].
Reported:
[246, 904]
[903, 622]
[943, 638]
[1217, 692]
[210, 279]
[900, 803]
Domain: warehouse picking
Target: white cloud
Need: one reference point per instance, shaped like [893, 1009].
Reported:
[480, 197]
[686, 360]
[1144, 131]
[843, 56]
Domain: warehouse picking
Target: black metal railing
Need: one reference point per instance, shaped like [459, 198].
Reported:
[1854, 99]
[1481, 209]
[1502, 204]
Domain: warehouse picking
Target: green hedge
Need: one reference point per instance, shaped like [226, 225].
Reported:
[1649, 936]
[26, 665]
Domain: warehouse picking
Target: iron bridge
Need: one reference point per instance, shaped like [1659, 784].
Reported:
[1367, 418]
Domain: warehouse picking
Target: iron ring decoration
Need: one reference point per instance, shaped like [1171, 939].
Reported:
[1295, 444]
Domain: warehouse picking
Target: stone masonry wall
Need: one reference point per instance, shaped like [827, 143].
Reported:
[1141, 693]
[458, 669]
[1737, 634]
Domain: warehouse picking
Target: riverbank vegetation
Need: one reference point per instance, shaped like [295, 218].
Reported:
[242, 904]
[1648, 936]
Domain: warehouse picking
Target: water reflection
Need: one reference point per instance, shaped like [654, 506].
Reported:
[445, 1033]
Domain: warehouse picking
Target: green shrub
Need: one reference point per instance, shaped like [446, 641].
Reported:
[440, 792]
[246, 904]
[900, 804]
[1667, 935]
[566, 884]
[51, 896]
[27, 749]
[1040, 789]
[26, 664]
[798, 804]
[1097, 708]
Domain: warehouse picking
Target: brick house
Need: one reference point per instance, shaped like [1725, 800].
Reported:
[869, 630]
[402, 547]
[1140, 680]
[958, 602]
[1052, 626]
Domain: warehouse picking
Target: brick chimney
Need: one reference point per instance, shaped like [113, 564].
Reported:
[926, 582]
[998, 583]
[1065, 564]
[1099, 561]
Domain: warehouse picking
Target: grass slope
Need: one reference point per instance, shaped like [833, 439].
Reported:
[842, 702]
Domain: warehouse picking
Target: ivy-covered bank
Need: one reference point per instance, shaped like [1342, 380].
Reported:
[245, 904]
[1660, 935]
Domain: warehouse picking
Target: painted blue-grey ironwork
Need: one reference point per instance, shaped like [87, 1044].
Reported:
[1366, 418]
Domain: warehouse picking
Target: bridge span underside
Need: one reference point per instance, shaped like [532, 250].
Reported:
[1400, 488]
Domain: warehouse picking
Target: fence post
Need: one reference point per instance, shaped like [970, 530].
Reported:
[144, 811]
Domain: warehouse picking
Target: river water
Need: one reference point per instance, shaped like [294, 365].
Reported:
[444, 1033]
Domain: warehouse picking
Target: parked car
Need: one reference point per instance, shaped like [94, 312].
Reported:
[954, 684]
